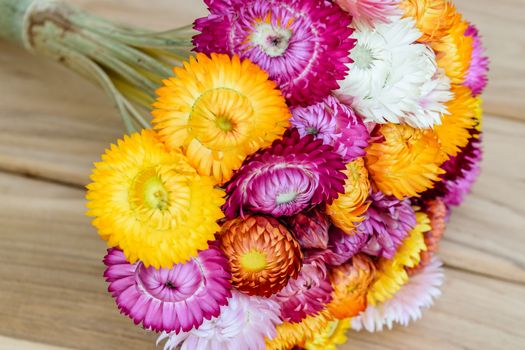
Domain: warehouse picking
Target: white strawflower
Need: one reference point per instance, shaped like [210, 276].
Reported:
[393, 78]
[407, 304]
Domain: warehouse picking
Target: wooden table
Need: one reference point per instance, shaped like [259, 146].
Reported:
[53, 125]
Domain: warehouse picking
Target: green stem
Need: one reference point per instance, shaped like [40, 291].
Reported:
[128, 63]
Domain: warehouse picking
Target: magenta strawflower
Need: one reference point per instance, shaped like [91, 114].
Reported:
[310, 228]
[176, 299]
[306, 295]
[334, 123]
[294, 174]
[303, 44]
[341, 247]
[370, 12]
[387, 221]
[476, 78]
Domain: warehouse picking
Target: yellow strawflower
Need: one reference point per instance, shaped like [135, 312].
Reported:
[391, 274]
[330, 336]
[219, 110]
[150, 202]
[291, 334]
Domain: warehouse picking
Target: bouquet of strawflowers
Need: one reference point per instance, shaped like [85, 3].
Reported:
[299, 171]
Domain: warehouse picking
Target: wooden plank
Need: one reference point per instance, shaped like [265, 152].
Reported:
[501, 24]
[486, 233]
[11, 343]
[53, 292]
[474, 312]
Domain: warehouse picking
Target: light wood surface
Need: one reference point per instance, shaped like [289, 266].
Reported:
[53, 125]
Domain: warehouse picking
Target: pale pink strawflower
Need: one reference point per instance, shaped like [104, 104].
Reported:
[407, 304]
[243, 324]
[370, 12]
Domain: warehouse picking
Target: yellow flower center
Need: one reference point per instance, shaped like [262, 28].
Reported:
[224, 124]
[253, 261]
[221, 119]
[149, 191]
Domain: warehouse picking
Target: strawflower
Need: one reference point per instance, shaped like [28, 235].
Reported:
[263, 254]
[351, 282]
[438, 214]
[454, 51]
[175, 299]
[334, 123]
[370, 12]
[476, 78]
[393, 77]
[341, 247]
[407, 304]
[244, 324]
[307, 294]
[294, 174]
[219, 110]
[302, 44]
[456, 129]
[333, 334]
[347, 211]
[391, 273]
[434, 18]
[292, 334]
[387, 221]
[151, 203]
[310, 228]
[405, 161]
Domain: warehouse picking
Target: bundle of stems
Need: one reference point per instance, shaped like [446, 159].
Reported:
[128, 63]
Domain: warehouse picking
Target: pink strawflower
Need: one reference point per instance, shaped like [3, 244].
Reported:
[304, 45]
[334, 123]
[462, 172]
[243, 324]
[370, 12]
[310, 228]
[306, 295]
[476, 78]
[341, 247]
[387, 221]
[175, 299]
[407, 304]
[294, 174]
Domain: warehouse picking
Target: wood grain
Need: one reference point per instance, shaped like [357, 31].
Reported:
[11, 343]
[502, 25]
[53, 292]
[53, 125]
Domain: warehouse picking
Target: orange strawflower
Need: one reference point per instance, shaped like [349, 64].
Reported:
[347, 210]
[263, 254]
[351, 282]
[434, 18]
[406, 162]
